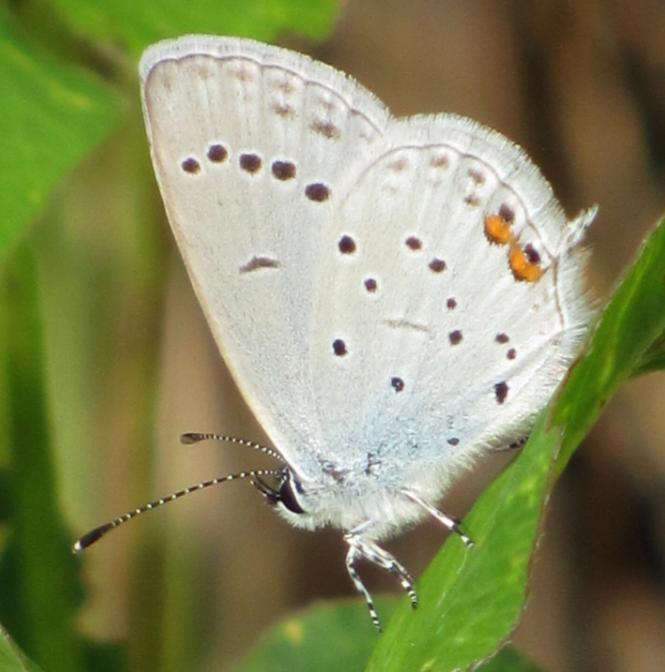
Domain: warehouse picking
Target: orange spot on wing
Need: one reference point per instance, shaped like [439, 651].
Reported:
[497, 230]
[521, 267]
[523, 262]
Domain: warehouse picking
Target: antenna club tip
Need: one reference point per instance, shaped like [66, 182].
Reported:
[91, 537]
[191, 437]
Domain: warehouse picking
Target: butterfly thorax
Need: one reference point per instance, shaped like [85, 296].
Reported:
[351, 498]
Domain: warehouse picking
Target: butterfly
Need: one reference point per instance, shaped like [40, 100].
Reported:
[394, 297]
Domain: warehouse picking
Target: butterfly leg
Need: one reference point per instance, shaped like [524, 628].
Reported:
[518, 443]
[351, 557]
[361, 547]
[451, 523]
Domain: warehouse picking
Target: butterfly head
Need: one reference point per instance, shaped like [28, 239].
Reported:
[286, 496]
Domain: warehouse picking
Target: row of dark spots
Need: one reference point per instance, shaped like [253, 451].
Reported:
[478, 179]
[339, 347]
[397, 383]
[347, 245]
[252, 163]
[531, 254]
[436, 265]
[501, 391]
[414, 243]
[506, 213]
[455, 337]
[502, 339]
[216, 154]
[476, 175]
[340, 350]
[372, 285]
[401, 163]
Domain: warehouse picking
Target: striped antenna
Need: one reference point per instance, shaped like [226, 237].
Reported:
[95, 535]
[195, 437]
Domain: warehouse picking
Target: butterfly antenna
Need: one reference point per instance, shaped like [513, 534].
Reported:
[195, 437]
[98, 532]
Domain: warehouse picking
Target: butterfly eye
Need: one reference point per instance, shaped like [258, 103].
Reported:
[284, 494]
[288, 497]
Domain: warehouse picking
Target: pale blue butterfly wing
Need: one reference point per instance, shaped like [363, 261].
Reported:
[447, 352]
[246, 139]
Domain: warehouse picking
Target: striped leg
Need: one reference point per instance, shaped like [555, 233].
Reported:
[451, 523]
[361, 546]
[360, 586]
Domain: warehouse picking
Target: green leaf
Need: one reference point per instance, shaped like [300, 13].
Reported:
[653, 359]
[52, 115]
[137, 23]
[11, 659]
[327, 637]
[337, 635]
[508, 660]
[628, 333]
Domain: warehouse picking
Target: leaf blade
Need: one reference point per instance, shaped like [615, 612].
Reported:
[138, 24]
[52, 115]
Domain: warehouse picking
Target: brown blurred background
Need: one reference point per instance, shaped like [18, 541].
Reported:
[581, 85]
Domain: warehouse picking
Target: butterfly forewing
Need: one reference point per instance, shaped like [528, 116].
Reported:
[249, 143]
